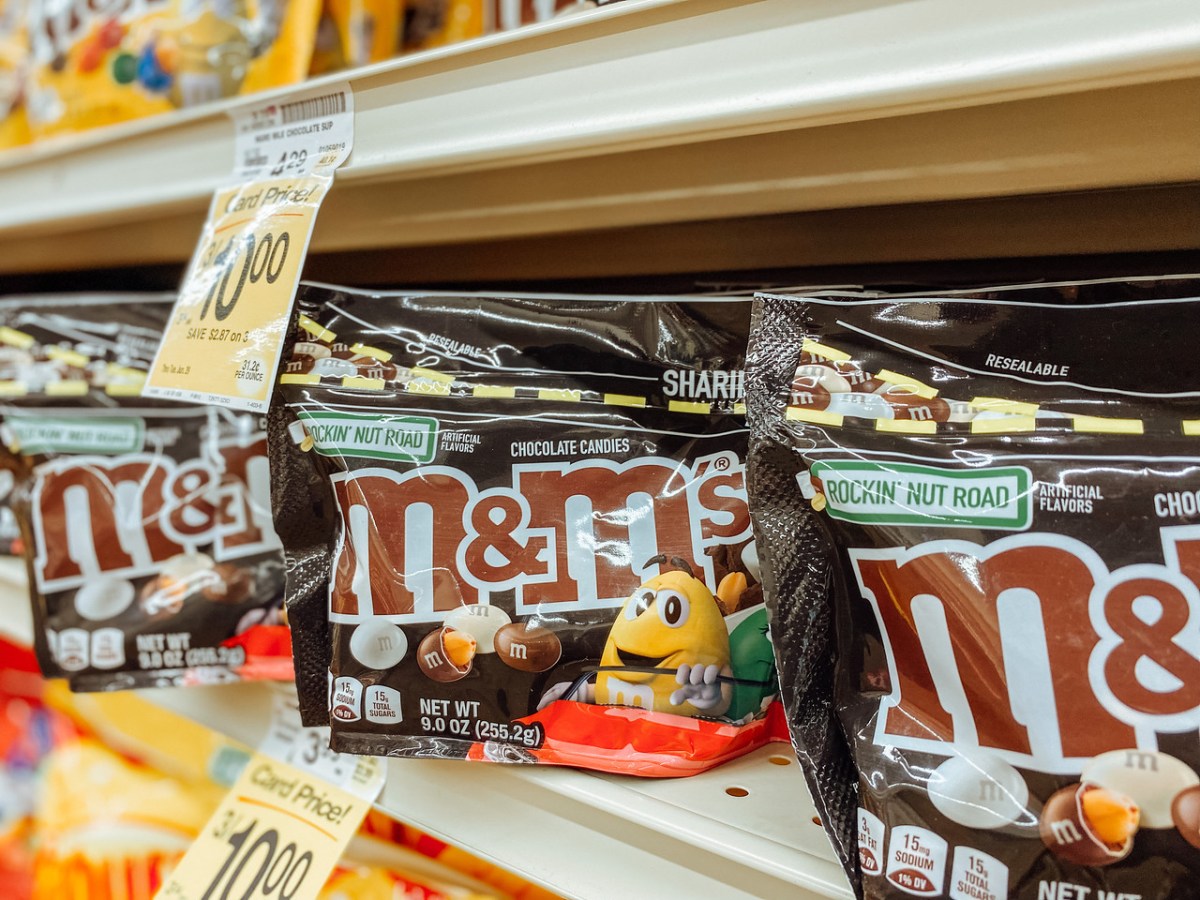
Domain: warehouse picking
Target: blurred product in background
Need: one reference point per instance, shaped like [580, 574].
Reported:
[92, 68]
[29, 731]
[435, 23]
[152, 555]
[14, 72]
[102, 794]
[69, 67]
[508, 14]
[385, 827]
[10, 533]
[354, 33]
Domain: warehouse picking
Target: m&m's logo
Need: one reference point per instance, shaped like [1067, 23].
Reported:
[1031, 647]
[568, 535]
[126, 514]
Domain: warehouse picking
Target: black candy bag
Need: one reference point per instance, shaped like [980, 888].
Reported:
[979, 529]
[146, 525]
[495, 479]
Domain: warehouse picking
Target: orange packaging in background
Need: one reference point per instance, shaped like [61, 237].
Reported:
[375, 883]
[133, 58]
[29, 732]
[117, 837]
[120, 838]
[150, 750]
[509, 883]
[355, 33]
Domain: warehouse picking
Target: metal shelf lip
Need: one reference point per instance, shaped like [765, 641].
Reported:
[631, 77]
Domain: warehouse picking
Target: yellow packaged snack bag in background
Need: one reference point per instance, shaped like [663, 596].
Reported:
[96, 62]
[284, 39]
[14, 63]
[356, 32]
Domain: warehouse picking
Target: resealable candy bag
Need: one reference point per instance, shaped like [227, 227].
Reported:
[146, 525]
[979, 529]
[523, 522]
[354, 33]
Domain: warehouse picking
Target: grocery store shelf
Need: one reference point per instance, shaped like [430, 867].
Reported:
[593, 836]
[1140, 221]
[364, 850]
[578, 834]
[660, 111]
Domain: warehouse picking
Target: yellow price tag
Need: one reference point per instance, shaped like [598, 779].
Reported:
[277, 835]
[223, 341]
[225, 336]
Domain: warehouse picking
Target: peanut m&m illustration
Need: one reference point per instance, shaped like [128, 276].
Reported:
[1149, 778]
[480, 621]
[446, 654]
[103, 598]
[1185, 813]
[181, 578]
[1096, 822]
[1089, 825]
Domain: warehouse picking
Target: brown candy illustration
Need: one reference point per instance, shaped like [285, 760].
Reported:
[920, 409]
[527, 647]
[1185, 812]
[808, 393]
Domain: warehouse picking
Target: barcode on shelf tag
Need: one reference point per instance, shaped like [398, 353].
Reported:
[224, 339]
[301, 134]
[315, 108]
[308, 749]
[277, 835]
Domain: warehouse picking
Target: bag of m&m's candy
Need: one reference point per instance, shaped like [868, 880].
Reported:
[979, 530]
[516, 530]
[145, 525]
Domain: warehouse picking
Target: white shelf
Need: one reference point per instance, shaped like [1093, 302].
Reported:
[659, 111]
[578, 834]
[593, 836]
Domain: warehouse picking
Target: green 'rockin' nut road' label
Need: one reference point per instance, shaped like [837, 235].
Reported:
[34, 435]
[889, 493]
[403, 438]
